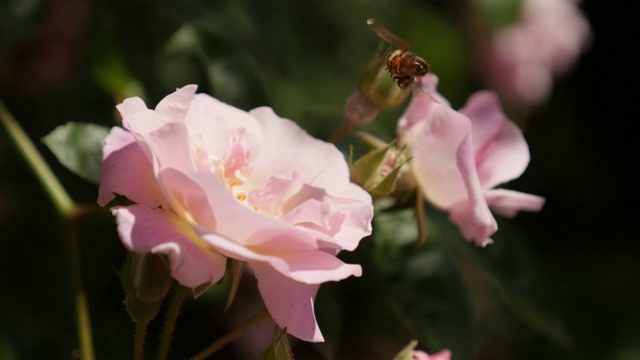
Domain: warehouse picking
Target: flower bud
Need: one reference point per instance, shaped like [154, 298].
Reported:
[377, 85]
[146, 280]
[358, 110]
[378, 170]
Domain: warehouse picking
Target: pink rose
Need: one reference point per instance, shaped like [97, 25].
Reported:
[545, 41]
[212, 182]
[460, 156]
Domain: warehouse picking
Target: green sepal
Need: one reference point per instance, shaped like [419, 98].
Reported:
[201, 289]
[369, 171]
[407, 352]
[146, 280]
[235, 268]
[279, 349]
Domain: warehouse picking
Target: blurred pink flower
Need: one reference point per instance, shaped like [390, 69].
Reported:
[545, 41]
[211, 181]
[458, 157]
[45, 60]
[421, 355]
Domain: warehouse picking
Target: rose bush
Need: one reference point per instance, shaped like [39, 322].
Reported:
[458, 157]
[212, 182]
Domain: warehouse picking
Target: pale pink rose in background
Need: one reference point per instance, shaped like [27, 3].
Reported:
[458, 157]
[211, 181]
[545, 41]
[442, 355]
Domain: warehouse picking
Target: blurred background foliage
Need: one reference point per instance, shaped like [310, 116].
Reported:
[560, 284]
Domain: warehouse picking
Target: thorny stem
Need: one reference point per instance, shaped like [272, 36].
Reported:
[422, 228]
[236, 333]
[139, 338]
[69, 211]
[170, 321]
[341, 132]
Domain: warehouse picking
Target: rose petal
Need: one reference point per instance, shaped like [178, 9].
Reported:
[187, 198]
[421, 355]
[420, 108]
[143, 230]
[230, 216]
[281, 155]
[343, 222]
[127, 171]
[131, 106]
[442, 355]
[435, 153]
[213, 123]
[174, 107]
[290, 303]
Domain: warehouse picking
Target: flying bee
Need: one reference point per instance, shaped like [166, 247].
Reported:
[401, 64]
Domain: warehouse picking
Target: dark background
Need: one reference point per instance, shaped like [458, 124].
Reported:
[568, 275]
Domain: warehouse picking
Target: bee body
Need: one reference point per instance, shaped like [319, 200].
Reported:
[401, 64]
[404, 66]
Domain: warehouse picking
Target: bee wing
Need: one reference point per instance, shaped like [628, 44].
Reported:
[387, 35]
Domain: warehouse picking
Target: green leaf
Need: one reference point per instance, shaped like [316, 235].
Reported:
[279, 348]
[78, 146]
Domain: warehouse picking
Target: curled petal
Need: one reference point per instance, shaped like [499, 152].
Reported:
[143, 230]
[508, 202]
[174, 107]
[304, 266]
[131, 106]
[501, 152]
[480, 224]
[476, 224]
